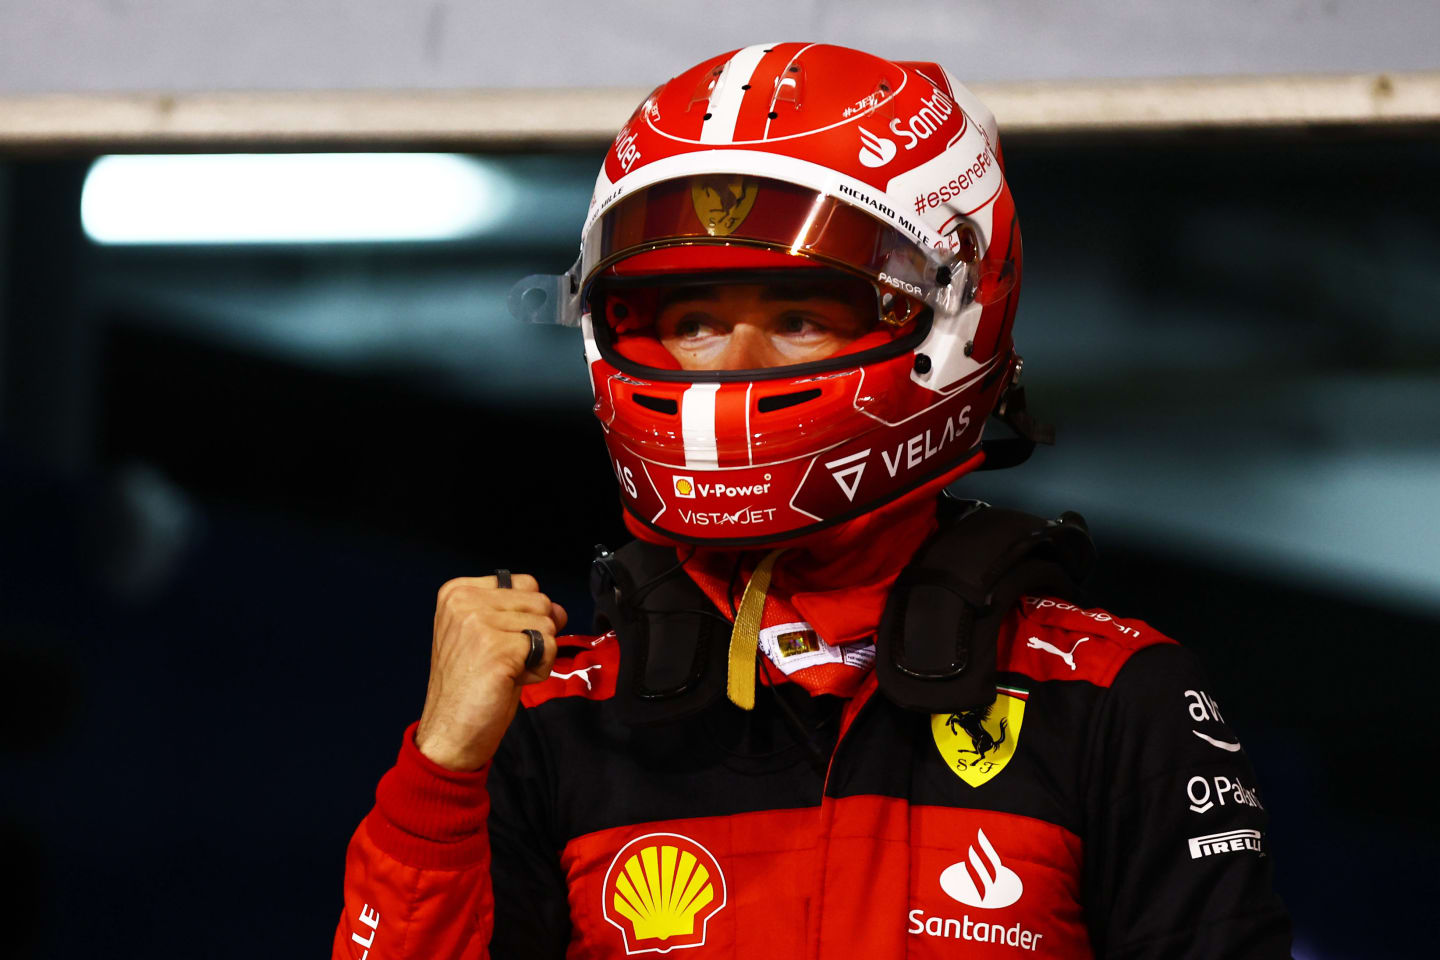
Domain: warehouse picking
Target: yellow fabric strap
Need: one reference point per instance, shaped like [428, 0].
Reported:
[745, 637]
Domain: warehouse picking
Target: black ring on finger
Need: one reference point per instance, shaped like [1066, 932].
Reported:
[502, 579]
[537, 648]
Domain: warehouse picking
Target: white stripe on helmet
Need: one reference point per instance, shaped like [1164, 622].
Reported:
[697, 426]
[724, 106]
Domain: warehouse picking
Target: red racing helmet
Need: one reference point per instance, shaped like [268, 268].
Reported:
[781, 161]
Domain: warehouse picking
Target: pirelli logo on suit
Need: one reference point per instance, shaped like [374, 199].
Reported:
[1231, 841]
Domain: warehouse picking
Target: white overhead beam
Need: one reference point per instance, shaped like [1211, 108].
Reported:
[486, 119]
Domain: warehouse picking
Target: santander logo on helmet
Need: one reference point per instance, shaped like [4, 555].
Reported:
[923, 124]
[776, 128]
[875, 151]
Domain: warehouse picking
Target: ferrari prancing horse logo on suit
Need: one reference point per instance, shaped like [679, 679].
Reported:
[977, 744]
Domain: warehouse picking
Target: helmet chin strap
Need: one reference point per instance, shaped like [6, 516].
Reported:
[1012, 451]
[1014, 412]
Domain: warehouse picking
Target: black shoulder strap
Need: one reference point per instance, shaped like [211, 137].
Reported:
[936, 643]
[673, 642]
[935, 651]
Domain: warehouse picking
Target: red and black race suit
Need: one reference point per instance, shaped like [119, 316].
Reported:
[1101, 807]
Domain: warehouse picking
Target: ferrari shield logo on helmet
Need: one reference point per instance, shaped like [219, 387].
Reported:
[977, 744]
[661, 890]
[722, 202]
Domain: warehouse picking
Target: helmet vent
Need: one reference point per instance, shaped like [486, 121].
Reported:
[780, 402]
[659, 404]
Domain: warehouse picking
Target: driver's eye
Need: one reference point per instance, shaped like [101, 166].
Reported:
[794, 323]
[688, 327]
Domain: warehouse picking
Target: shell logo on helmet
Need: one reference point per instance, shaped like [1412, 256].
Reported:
[686, 487]
[728, 168]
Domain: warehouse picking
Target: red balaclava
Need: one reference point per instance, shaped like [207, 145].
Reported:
[836, 581]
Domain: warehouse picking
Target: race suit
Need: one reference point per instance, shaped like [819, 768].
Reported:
[1101, 807]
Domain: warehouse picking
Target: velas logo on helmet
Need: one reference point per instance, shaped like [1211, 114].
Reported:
[848, 471]
[875, 151]
[661, 891]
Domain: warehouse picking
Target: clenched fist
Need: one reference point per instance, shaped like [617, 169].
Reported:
[477, 665]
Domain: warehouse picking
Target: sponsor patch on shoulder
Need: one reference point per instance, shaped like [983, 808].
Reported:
[1132, 629]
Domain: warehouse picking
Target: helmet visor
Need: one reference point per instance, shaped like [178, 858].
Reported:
[731, 209]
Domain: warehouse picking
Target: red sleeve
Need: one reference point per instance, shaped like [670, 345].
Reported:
[417, 872]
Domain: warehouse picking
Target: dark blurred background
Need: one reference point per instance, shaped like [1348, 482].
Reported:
[232, 477]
